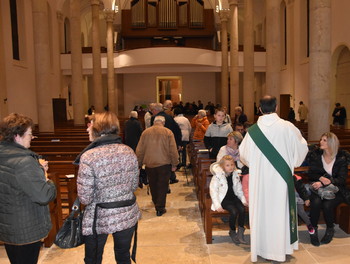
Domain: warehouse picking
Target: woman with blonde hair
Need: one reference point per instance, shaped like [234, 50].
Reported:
[235, 138]
[226, 194]
[107, 178]
[327, 165]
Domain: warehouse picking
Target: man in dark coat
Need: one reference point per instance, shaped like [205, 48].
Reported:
[132, 130]
[173, 126]
[339, 115]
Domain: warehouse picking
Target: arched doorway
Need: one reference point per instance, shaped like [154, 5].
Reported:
[341, 83]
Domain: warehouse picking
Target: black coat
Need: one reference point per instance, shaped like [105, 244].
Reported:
[339, 170]
[172, 125]
[132, 132]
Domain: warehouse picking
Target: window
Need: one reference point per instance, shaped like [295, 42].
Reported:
[14, 30]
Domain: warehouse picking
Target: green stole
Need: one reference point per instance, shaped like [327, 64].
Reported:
[283, 169]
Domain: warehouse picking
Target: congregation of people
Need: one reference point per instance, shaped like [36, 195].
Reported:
[253, 176]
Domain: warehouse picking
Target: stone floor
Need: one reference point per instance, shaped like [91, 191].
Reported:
[178, 237]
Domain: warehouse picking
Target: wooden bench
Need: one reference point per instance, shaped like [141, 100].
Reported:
[55, 212]
[342, 213]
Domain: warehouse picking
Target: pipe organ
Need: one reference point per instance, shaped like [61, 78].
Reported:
[167, 14]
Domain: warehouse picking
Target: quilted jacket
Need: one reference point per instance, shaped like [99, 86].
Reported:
[24, 196]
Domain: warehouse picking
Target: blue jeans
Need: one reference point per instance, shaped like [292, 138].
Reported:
[94, 247]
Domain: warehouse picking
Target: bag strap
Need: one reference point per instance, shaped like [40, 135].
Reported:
[278, 162]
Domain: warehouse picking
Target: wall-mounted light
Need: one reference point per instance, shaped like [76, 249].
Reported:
[116, 9]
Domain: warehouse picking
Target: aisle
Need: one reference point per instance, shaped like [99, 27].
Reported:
[177, 237]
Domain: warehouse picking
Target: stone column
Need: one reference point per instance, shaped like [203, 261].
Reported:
[42, 65]
[76, 63]
[96, 56]
[224, 16]
[234, 73]
[112, 95]
[320, 68]
[273, 48]
[248, 77]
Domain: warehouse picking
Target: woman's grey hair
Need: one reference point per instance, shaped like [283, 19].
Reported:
[202, 113]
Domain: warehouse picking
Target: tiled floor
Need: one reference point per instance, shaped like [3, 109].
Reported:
[177, 237]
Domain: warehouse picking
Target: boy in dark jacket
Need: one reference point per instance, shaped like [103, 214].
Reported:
[216, 134]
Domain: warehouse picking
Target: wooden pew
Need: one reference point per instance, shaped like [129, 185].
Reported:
[55, 212]
[57, 148]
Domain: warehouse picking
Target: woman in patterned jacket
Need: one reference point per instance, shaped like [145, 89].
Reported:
[107, 179]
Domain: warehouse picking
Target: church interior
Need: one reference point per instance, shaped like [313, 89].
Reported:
[60, 57]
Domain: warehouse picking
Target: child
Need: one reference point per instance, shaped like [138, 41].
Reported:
[216, 134]
[302, 197]
[226, 194]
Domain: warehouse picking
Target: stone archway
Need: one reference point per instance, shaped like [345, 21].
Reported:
[341, 79]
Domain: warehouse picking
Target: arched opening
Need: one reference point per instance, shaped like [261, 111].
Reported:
[342, 80]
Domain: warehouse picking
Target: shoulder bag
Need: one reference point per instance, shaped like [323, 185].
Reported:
[70, 235]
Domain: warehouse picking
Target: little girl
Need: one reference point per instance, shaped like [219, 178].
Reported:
[226, 194]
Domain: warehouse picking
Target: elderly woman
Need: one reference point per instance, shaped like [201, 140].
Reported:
[327, 165]
[107, 179]
[235, 138]
[200, 123]
[25, 192]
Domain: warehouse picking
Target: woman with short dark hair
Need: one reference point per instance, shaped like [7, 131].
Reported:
[107, 178]
[25, 192]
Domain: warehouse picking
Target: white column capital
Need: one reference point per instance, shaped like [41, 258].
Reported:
[95, 2]
[224, 15]
[109, 15]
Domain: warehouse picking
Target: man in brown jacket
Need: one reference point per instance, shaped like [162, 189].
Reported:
[157, 150]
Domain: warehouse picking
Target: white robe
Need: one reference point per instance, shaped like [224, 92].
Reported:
[268, 193]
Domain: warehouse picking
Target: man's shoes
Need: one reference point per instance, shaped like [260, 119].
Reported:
[174, 181]
[169, 191]
[328, 236]
[160, 212]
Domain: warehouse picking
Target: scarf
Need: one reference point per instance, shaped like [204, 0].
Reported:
[102, 140]
[234, 153]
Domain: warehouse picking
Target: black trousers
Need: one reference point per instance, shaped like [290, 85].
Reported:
[94, 247]
[236, 210]
[23, 254]
[158, 178]
[327, 206]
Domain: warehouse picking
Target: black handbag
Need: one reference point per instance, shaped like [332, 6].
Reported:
[70, 234]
